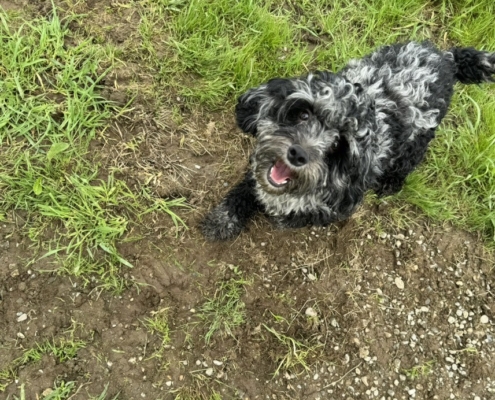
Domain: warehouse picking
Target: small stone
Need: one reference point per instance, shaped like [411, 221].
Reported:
[20, 335]
[399, 282]
[316, 376]
[310, 312]
[216, 362]
[451, 320]
[209, 372]
[168, 383]
[132, 360]
[364, 352]
[312, 277]
[22, 317]
[383, 235]
[484, 319]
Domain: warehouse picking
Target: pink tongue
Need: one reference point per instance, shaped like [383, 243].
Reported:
[280, 173]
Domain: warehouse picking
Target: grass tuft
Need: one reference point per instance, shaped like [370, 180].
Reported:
[158, 325]
[225, 311]
[296, 353]
[63, 349]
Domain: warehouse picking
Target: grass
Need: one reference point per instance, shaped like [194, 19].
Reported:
[158, 325]
[225, 311]
[51, 110]
[295, 355]
[61, 391]
[63, 348]
[420, 370]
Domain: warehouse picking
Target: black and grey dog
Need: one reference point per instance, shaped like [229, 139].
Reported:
[324, 139]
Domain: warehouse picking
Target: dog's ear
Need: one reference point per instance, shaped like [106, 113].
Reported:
[260, 102]
[247, 110]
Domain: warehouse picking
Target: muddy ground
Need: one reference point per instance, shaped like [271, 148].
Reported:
[389, 304]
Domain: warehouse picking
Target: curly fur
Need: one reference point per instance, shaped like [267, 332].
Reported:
[324, 139]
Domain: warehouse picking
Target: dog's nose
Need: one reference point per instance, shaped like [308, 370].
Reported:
[297, 156]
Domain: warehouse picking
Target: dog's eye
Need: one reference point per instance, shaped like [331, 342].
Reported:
[334, 146]
[304, 115]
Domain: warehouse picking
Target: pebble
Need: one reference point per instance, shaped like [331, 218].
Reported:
[451, 320]
[399, 282]
[484, 319]
[310, 312]
[216, 362]
[22, 317]
[209, 372]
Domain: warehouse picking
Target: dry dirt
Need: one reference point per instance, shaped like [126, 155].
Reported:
[392, 305]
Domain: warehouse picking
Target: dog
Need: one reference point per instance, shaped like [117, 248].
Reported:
[325, 139]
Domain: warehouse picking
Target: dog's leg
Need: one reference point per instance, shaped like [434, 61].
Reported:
[230, 217]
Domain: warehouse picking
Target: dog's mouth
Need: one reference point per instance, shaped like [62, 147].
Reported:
[279, 174]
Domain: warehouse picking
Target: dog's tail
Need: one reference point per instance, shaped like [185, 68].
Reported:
[473, 66]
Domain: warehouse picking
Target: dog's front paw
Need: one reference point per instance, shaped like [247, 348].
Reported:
[219, 224]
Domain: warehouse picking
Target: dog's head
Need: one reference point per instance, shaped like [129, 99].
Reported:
[310, 131]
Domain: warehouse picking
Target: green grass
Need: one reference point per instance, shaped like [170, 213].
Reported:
[50, 111]
[158, 325]
[294, 355]
[420, 370]
[63, 348]
[225, 311]
[61, 391]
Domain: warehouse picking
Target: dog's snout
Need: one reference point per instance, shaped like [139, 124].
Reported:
[297, 156]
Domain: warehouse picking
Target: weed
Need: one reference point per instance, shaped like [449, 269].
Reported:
[225, 311]
[61, 391]
[420, 370]
[158, 324]
[200, 393]
[295, 355]
[63, 349]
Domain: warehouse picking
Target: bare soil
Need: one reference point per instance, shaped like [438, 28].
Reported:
[404, 307]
